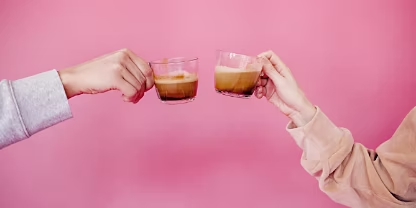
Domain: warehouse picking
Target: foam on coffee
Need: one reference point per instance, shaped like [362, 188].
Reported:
[177, 85]
[176, 77]
[235, 80]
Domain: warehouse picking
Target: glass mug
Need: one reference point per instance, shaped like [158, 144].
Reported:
[176, 79]
[236, 75]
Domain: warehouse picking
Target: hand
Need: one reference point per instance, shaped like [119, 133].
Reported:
[121, 70]
[279, 86]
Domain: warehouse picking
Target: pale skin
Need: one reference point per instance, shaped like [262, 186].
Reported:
[124, 71]
[279, 87]
[121, 70]
[329, 152]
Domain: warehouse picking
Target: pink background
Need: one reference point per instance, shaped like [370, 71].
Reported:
[355, 59]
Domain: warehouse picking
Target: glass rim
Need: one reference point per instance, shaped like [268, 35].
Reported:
[174, 60]
[240, 54]
[255, 58]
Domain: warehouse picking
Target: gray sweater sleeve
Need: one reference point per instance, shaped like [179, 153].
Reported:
[30, 105]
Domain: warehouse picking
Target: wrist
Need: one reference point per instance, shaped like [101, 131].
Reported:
[68, 83]
[303, 115]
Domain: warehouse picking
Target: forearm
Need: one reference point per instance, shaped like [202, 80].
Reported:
[303, 113]
[347, 172]
[30, 105]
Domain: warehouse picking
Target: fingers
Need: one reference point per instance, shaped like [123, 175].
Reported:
[136, 73]
[271, 72]
[130, 78]
[143, 67]
[262, 81]
[276, 62]
[139, 96]
[259, 92]
[139, 86]
[128, 90]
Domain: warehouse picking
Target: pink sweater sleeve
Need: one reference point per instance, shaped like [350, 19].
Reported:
[351, 174]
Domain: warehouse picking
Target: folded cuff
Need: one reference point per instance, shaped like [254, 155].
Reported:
[320, 131]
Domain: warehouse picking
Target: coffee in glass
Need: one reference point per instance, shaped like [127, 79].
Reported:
[236, 75]
[176, 79]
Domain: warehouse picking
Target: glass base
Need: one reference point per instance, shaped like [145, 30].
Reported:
[233, 94]
[175, 102]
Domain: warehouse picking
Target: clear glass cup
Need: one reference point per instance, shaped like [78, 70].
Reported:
[176, 79]
[236, 75]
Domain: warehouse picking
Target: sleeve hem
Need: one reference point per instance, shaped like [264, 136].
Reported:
[320, 131]
[41, 101]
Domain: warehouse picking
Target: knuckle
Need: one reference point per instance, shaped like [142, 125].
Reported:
[122, 56]
[118, 68]
[148, 72]
[270, 52]
[125, 50]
